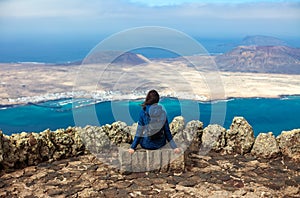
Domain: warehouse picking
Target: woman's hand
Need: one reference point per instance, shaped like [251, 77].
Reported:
[177, 151]
[131, 151]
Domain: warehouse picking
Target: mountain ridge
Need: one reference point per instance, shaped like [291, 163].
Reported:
[115, 57]
[261, 40]
[261, 59]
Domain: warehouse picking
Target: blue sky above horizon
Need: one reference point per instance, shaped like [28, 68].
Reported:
[178, 2]
[203, 18]
[191, 16]
[70, 21]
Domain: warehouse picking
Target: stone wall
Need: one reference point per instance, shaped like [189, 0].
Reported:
[25, 149]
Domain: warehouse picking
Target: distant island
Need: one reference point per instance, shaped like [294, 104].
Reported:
[256, 54]
[261, 40]
[255, 69]
[261, 54]
[261, 59]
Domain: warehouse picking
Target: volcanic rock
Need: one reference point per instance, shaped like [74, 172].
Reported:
[240, 136]
[214, 137]
[289, 143]
[265, 146]
[177, 125]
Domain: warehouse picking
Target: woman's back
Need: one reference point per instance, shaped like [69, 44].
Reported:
[153, 128]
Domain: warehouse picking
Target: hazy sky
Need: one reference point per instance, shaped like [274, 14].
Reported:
[199, 18]
[178, 2]
[60, 30]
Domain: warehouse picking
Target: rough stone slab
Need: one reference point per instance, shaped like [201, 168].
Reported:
[165, 160]
[153, 160]
[141, 160]
[125, 160]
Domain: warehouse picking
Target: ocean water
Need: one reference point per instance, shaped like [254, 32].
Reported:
[264, 115]
[60, 50]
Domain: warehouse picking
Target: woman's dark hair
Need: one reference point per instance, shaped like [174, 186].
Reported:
[151, 98]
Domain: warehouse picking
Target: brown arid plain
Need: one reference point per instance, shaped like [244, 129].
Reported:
[21, 83]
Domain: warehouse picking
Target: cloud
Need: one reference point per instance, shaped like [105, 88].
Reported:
[45, 8]
[115, 15]
[121, 8]
[242, 11]
[158, 3]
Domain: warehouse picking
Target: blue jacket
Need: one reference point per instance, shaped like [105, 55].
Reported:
[144, 140]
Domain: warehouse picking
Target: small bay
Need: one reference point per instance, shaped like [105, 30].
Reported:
[263, 114]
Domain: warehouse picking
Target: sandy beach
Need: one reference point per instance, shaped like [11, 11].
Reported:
[21, 83]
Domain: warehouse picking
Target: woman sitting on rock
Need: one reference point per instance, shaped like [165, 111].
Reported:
[153, 128]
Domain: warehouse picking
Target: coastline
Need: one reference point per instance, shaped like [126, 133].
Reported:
[109, 96]
[174, 80]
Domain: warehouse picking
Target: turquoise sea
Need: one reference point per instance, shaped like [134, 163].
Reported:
[264, 115]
